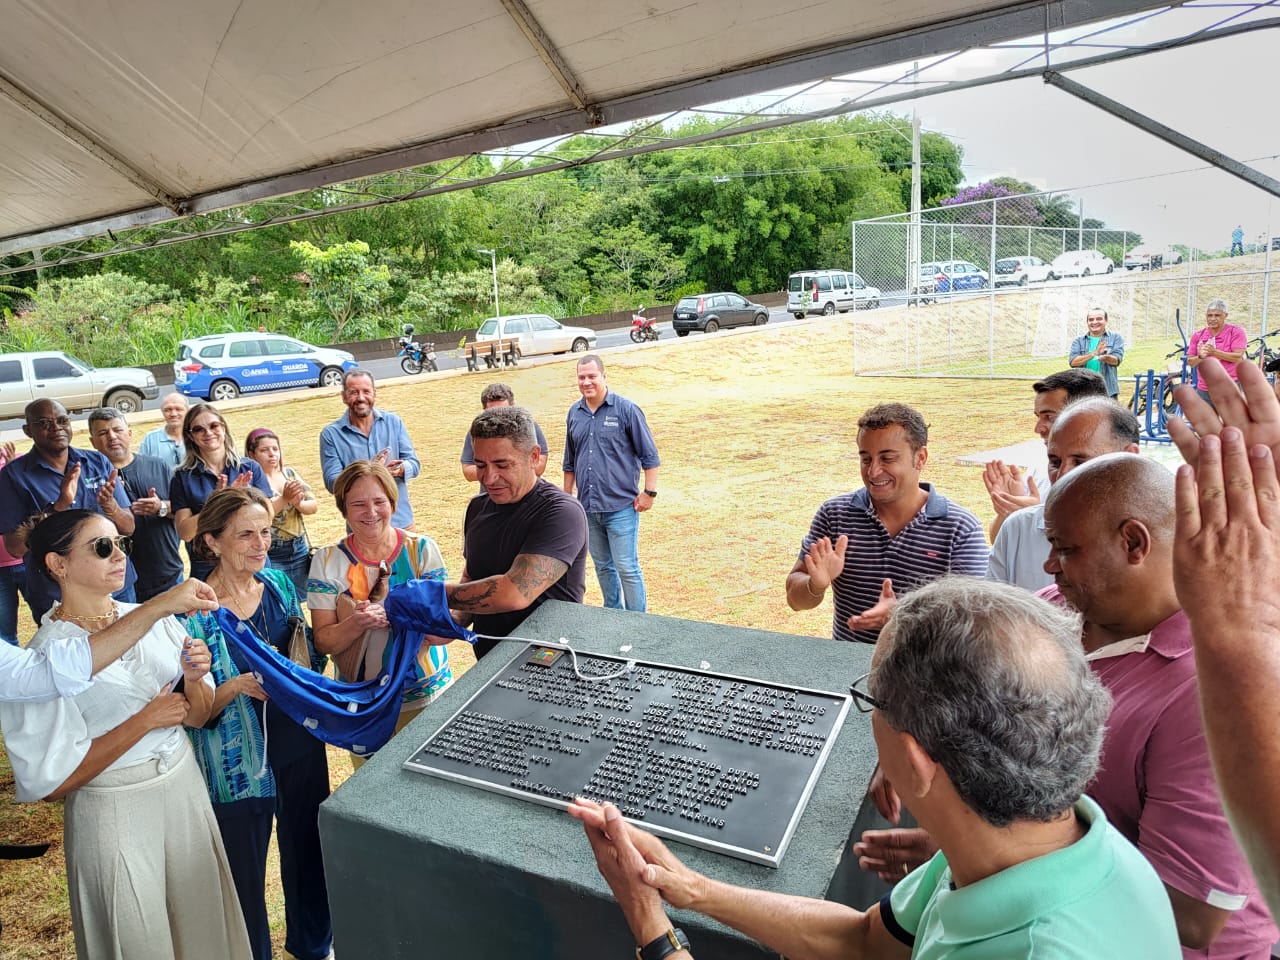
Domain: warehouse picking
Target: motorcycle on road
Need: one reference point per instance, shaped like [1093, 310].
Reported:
[414, 356]
[642, 327]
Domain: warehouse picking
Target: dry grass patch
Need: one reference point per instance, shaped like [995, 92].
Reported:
[755, 429]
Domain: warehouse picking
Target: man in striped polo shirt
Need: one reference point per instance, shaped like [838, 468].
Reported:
[893, 535]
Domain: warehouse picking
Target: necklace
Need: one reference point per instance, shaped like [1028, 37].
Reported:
[61, 614]
[238, 602]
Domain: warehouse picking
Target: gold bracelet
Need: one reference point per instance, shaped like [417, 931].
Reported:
[808, 588]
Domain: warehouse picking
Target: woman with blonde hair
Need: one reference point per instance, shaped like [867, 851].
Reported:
[210, 464]
[350, 579]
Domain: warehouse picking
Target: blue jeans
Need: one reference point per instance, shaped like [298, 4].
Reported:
[614, 542]
[11, 579]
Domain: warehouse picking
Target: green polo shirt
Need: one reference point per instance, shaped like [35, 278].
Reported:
[1096, 898]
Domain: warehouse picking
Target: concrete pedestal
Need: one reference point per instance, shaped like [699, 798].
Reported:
[420, 867]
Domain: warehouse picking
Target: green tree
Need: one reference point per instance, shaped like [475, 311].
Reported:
[343, 281]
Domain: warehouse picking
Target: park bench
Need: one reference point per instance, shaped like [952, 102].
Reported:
[492, 353]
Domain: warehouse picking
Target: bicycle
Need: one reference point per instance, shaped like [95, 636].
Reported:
[1263, 355]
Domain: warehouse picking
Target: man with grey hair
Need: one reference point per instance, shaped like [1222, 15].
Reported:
[1111, 529]
[1083, 430]
[524, 543]
[996, 754]
[498, 395]
[1223, 341]
[156, 554]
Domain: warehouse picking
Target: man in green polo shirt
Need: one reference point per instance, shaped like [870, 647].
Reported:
[1027, 867]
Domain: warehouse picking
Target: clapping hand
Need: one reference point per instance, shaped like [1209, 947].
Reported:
[877, 616]
[825, 561]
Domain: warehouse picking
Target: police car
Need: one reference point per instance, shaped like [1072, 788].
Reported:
[222, 366]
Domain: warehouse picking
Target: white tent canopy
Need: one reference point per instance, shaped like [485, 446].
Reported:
[119, 115]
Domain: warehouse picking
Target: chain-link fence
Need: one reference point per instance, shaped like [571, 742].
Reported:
[994, 292]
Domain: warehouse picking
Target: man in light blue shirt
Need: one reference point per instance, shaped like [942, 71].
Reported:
[366, 433]
[165, 443]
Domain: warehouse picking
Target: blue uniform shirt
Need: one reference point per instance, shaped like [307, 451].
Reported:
[606, 451]
[341, 445]
[28, 486]
[190, 488]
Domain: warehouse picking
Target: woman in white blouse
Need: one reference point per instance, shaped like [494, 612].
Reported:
[146, 873]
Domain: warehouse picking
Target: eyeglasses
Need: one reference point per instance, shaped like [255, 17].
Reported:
[48, 423]
[104, 547]
[200, 430]
[865, 702]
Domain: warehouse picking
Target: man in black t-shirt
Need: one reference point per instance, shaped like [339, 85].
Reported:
[146, 482]
[525, 542]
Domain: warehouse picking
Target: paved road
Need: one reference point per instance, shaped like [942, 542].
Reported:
[388, 367]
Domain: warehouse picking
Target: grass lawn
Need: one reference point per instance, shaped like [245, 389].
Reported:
[755, 429]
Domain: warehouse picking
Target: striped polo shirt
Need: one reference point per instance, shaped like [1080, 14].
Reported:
[942, 538]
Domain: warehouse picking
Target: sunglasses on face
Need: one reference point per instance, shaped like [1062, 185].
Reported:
[104, 547]
[200, 430]
[48, 423]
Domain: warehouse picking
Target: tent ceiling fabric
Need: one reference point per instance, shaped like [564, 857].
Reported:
[216, 102]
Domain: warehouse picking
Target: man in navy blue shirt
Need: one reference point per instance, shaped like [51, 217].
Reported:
[54, 475]
[607, 446]
[366, 433]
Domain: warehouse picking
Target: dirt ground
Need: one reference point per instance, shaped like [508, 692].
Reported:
[755, 428]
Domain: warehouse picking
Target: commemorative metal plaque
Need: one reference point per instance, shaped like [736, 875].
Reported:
[721, 762]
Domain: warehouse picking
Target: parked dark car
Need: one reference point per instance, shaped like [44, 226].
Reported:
[709, 312]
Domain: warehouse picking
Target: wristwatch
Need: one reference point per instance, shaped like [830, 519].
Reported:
[164, 509]
[650, 493]
[670, 942]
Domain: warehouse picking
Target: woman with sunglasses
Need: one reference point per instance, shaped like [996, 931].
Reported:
[291, 499]
[147, 877]
[252, 778]
[210, 464]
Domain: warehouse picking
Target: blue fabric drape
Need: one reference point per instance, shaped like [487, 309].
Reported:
[359, 717]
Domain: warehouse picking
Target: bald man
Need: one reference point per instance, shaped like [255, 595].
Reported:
[1110, 526]
[165, 443]
[1084, 430]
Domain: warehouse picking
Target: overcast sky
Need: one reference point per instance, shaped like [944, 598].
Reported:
[1221, 93]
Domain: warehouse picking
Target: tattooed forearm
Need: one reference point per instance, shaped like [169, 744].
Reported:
[532, 574]
[473, 596]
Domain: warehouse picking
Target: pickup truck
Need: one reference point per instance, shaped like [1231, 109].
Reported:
[54, 375]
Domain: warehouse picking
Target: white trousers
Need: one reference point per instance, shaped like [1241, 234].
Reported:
[146, 872]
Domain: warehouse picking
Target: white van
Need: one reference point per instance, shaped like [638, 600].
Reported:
[826, 291]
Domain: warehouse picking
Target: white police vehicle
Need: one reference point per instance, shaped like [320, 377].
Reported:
[222, 366]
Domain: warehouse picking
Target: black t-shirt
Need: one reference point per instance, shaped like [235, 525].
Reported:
[155, 539]
[545, 522]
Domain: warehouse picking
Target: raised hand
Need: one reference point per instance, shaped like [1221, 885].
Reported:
[825, 561]
[196, 659]
[877, 616]
[1256, 414]
[242, 479]
[148, 506]
[70, 487]
[107, 492]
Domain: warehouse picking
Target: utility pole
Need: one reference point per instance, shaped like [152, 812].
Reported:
[493, 260]
[913, 240]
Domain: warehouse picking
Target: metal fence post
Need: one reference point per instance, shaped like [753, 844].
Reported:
[991, 297]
